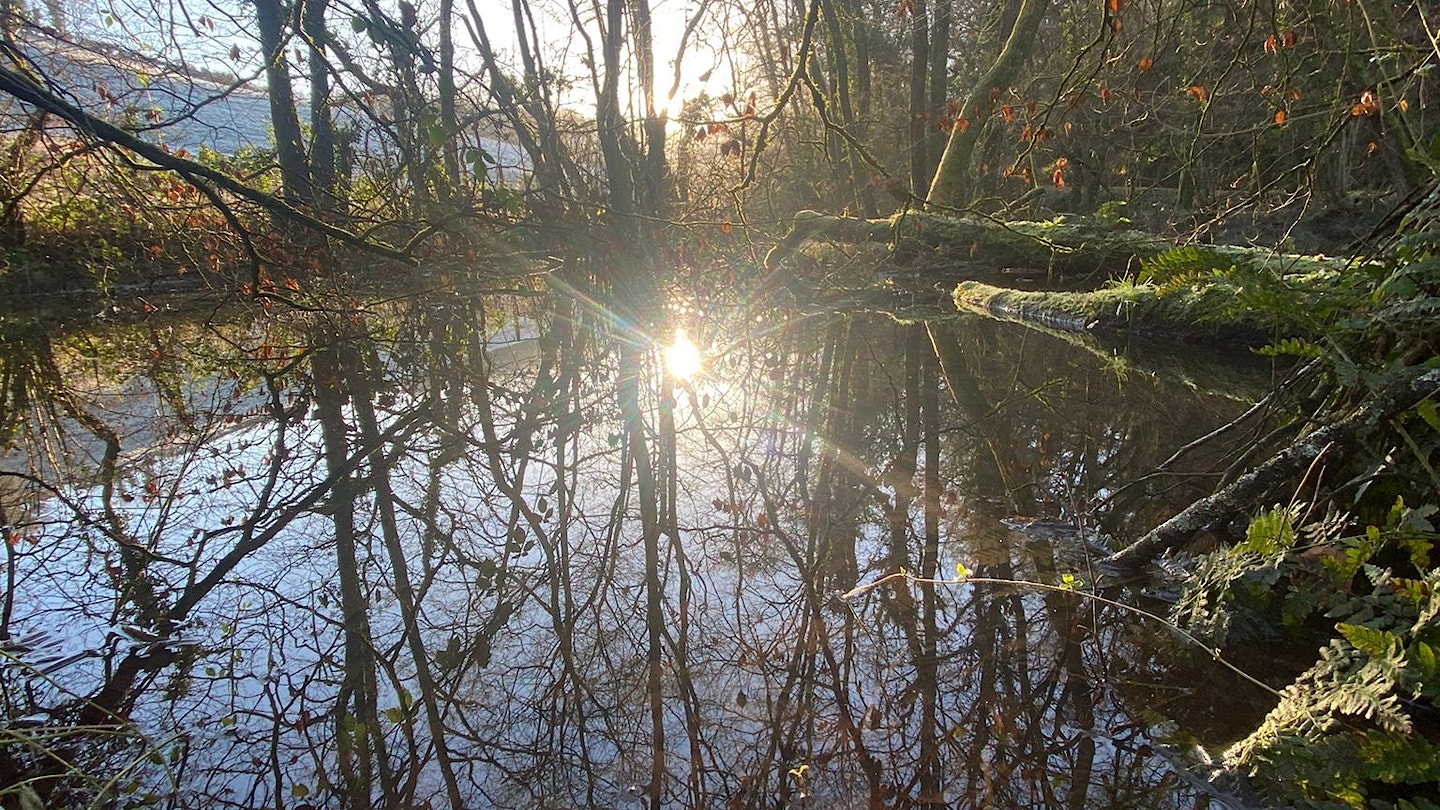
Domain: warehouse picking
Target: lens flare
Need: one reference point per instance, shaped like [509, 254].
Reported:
[682, 357]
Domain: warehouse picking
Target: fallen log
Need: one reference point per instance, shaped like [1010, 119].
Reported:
[1144, 309]
[1267, 481]
[1064, 246]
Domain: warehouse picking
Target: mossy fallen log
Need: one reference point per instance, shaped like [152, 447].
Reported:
[1065, 246]
[1204, 312]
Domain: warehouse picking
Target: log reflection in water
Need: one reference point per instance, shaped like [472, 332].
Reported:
[407, 561]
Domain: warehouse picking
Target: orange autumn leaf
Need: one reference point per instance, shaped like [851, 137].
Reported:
[1369, 104]
[725, 227]
[962, 124]
[1008, 113]
[1104, 95]
[1114, 5]
[1270, 44]
[1069, 125]
[1199, 93]
[1059, 178]
[1146, 64]
[1116, 24]
[1288, 39]
[1062, 162]
[1279, 118]
[1372, 148]
[905, 7]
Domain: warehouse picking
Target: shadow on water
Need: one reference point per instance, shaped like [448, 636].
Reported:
[427, 556]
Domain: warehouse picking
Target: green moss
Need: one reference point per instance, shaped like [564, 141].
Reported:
[1205, 310]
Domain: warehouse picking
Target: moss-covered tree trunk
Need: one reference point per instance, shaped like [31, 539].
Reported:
[951, 187]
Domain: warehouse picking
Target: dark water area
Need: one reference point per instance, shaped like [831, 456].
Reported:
[466, 551]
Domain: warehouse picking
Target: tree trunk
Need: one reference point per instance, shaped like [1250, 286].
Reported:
[289, 145]
[322, 125]
[951, 185]
[651, 186]
[920, 171]
[445, 82]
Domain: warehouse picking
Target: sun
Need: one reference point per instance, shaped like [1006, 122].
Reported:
[682, 357]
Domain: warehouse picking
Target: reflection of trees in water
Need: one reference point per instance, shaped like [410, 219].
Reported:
[432, 565]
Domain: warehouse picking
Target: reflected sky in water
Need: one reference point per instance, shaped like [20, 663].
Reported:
[484, 552]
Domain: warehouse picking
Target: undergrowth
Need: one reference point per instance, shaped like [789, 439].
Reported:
[1352, 568]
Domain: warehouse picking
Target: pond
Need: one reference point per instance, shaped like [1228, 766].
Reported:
[491, 551]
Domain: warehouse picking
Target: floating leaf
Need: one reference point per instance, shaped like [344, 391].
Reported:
[1199, 93]
[1145, 64]
[1279, 118]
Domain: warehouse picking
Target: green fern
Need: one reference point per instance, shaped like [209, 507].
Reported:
[1343, 728]
[1182, 266]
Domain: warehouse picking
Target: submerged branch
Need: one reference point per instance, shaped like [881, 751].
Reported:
[1335, 440]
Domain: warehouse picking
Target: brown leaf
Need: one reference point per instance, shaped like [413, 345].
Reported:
[1369, 104]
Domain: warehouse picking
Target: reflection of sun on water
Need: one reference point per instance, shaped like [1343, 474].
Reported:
[682, 357]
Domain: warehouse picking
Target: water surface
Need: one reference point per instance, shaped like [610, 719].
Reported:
[488, 552]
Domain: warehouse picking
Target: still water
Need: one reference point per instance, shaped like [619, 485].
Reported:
[469, 551]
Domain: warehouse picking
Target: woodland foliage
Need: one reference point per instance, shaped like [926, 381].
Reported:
[581, 141]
